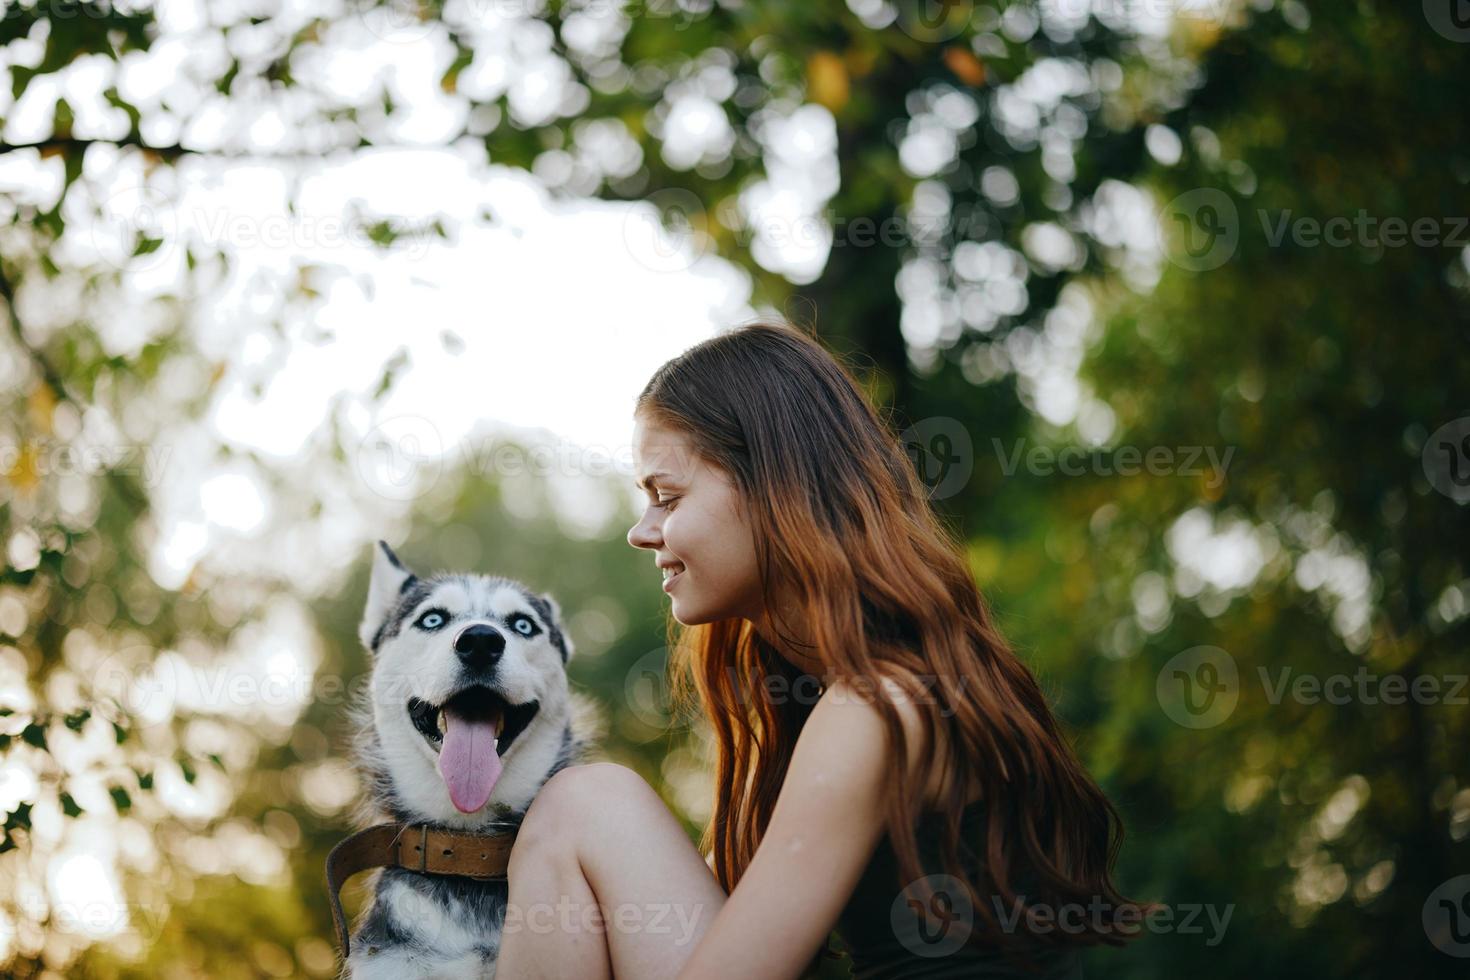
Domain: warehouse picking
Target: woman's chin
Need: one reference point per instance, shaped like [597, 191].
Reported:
[687, 614]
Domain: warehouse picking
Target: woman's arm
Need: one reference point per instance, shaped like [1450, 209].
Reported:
[824, 829]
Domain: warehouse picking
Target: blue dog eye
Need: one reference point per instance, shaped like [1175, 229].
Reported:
[431, 620]
[524, 626]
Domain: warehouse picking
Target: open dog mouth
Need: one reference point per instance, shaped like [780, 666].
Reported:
[477, 703]
[471, 732]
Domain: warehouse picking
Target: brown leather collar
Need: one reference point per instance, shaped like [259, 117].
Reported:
[417, 847]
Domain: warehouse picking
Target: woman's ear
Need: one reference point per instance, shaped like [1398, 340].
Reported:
[550, 611]
[385, 586]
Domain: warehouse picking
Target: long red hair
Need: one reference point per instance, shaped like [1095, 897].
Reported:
[844, 528]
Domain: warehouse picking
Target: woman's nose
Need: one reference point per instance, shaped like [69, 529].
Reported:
[643, 534]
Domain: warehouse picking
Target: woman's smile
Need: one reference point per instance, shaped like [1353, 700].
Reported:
[671, 570]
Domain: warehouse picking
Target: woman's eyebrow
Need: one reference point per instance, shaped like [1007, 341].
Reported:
[646, 482]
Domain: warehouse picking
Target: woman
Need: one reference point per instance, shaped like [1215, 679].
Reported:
[867, 717]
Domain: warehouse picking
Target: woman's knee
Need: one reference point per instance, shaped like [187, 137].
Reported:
[596, 791]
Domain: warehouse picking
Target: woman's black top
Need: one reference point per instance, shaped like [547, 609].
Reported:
[889, 934]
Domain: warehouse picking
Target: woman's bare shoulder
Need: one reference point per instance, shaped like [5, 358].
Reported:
[853, 701]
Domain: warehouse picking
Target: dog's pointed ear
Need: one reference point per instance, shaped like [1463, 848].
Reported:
[550, 611]
[386, 584]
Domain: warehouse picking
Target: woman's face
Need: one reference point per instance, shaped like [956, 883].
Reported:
[695, 524]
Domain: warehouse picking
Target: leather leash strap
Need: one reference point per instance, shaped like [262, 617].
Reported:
[416, 847]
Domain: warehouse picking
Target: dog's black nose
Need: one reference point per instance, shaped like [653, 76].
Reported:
[479, 646]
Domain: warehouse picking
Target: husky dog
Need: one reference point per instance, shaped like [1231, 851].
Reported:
[467, 715]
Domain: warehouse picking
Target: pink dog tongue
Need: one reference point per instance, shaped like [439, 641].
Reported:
[468, 760]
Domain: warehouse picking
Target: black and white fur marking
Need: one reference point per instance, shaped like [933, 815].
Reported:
[421, 926]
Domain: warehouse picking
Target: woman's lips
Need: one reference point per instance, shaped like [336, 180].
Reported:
[669, 582]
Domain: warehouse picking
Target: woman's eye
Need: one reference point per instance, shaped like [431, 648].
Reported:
[667, 503]
[432, 620]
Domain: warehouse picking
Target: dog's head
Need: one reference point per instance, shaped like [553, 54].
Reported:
[469, 696]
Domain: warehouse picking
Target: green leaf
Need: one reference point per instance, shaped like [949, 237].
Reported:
[34, 734]
[76, 721]
[146, 245]
[69, 806]
[121, 799]
[187, 769]
[19, 817]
